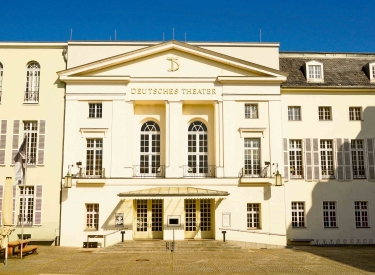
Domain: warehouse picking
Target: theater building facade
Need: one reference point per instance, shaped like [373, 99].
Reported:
[173, 141]
[183, 141]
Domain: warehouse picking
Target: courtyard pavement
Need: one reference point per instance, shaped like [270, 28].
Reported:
[297, 260]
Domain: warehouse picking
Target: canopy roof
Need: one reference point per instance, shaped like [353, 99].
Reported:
[183, 192]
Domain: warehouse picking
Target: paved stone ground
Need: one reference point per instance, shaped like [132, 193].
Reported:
[298, 260]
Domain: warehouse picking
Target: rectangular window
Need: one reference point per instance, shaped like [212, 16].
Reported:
[298, 214]
[355, 113]
[252, 157]
[373, 72]
[361, 214]
[329, 214]
[253, 216]
[358, 159]
[94, 157]
[251, 110]
[92, 216]
[294, 113]
[1, 79]
[295, 158]
[26, 207]
[326, 158]
[325, 113]
[30, 128]
[95, 110]
[315, 71]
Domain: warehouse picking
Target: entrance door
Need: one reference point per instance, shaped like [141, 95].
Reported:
[149, 219]
[198, 219]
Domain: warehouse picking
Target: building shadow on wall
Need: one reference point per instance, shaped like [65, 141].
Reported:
[342, 239]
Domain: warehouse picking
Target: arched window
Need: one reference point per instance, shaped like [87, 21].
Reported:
[197, 148]
[150, 149]
[32, 82]
[1, 80]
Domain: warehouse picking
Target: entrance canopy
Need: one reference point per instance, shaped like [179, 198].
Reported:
[180, 192]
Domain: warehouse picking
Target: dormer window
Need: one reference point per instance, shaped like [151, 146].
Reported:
[314, 72]
[372, 72]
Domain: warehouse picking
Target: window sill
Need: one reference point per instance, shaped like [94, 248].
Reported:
[294, 120]
[325, 119]
[363, 227]
[299, 227]
[94, 117]
[254, 228]
[333, 227]
[31, 103]
[90, 229]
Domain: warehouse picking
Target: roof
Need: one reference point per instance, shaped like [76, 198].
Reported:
[338, 72]
[161, 192]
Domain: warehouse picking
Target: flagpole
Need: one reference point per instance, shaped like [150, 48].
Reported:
[24, 191]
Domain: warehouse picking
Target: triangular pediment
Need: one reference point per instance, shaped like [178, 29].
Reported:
[171, 59]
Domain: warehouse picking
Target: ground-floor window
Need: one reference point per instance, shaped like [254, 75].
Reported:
[361, 214]
[26, 206]
[298, 214]
[253, 215]
[92, 216]
[329, 214]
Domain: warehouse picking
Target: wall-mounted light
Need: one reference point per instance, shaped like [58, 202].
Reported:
[68, 179]
[278, 177]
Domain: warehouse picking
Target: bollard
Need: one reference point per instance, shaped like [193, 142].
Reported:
[223, 235]
[122, 235]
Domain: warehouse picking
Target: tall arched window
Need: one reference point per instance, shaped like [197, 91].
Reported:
[197, 148]
[32, 82]
[150, 149]
[1, 80]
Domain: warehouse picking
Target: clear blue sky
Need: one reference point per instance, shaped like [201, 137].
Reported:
[319, 25]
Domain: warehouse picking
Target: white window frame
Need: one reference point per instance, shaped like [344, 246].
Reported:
[330, 214]
[327, 167]
[325, 113]
[357, 151]
[94, 160]
[298, 214]
[371, 71]
[29, 206]
[32, 82]
[198, 135]
[295, 158]
[92, 216]
[251, 111]
[252, 155]
[361, 212]
[95, 110]
[294, 113]
[314, 71]
[355, 113]
[30, 128]
[150, 153]
[253, 215]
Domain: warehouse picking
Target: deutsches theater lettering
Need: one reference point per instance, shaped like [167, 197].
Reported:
[171, 91]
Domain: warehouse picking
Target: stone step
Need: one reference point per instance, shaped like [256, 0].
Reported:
[180, 246]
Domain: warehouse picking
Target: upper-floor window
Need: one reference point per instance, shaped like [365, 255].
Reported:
[358, 158]
[252, 157]
[32, 83]
[370, 71]
[355, 113]
[197, 148]
[150, 148]
[295, 158]
[94, 157]
[95, 110]
[251, 110]
[294, 113]
[326, 158]
[373, 71]
[325, 113]
[30, 128]
[1, 80]
[314, 72]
